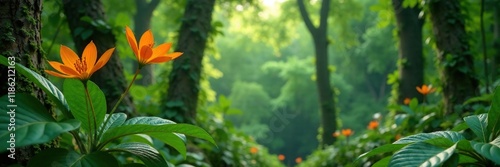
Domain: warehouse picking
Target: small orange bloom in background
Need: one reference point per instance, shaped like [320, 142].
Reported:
[281, 157]
[336, 134]
[407, 101]
[254, 150]
[76, 67]
[145, 52]
[373, 125]
[424, 90]
[298, 160]
[398, 136]
[347, 132]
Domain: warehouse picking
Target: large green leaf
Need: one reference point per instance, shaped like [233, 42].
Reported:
[382, 149]
[453, 136]
[50, 89]
[478, 124]
[30, 122]
[421, 154]
[148, 155]
[80, 106]
[490, 151]
[115, 120]
[58, 157]
[494, 115]
[186, 129]
[176, 140]
[382, 163]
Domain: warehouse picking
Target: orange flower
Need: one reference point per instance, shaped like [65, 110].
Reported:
[298, 160]
[145, 52]
[254, 150]
[336, 134]
[80, 68]
[424, 90]
[397, 137]
[406, 101]
[373, 125]
[281, 157]
[347, 132]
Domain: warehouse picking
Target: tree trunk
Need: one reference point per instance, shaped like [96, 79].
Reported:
[458, 77]
[325, 91]
[142, 22]
[182, 98]
[496, 39]
[20, 27]
[411, 70]
[86, 20]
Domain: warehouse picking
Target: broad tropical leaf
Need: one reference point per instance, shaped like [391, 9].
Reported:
[176, 140]
[478, 124]
[490, 151]
[50, 89]
[382, 163]
[453, 136]
[382, 149]
[186, 129]
[148, 155]
[494, 115]
[421, 154]
[61, 157]
[33, 123]
[115, 120]
[80, 106]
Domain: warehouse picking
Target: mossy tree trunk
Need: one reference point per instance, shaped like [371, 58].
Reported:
[411, 68]
[496, 39]
[325, 91]
[142, 22]
[87, 21]
[184, 81]
[20, 27]
[454, 55]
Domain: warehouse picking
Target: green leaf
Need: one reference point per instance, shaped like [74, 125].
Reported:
[30, 123]
[62, 157]
[80, 106]
[50, 89]
[382, 163]
[186, 129]
[382, 149]
[177, 141]
[115, 120]
[494, 115]
[453, 136]
[490, 151]
[461, 126]
[421, 154]
[149, 155]
[452, 161]
[478, 124]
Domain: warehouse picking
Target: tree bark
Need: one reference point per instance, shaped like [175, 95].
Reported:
[411, 70]
[182, 97]
[325, 91]
[142, 22]
[20, 27]
[496, 39]
[458, 77]
[86, 19]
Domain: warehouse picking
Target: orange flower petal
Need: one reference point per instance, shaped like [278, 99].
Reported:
[131, 41]
[68, 57]
[58, 74]
[146, 40]
[68, 70]
[175, 55]
[103, 60]
[89, 56]
[161, 50]
[159, 60]
[146, 53]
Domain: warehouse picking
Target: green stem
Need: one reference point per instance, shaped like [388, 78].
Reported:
[93, 137]
[79, 142]
[119, 101]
